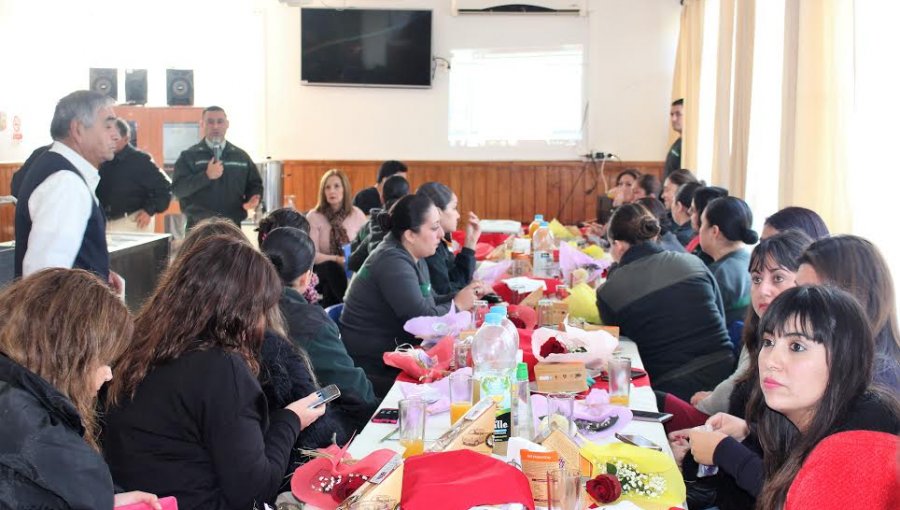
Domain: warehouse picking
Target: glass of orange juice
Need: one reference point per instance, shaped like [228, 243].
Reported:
[412, 426]
[619, 370]
[460, 395]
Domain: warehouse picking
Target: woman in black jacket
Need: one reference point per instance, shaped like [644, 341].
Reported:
[450, 273]
[55, 354]
[394, 188]
[313, 332]
[188, 416]
[668, 303]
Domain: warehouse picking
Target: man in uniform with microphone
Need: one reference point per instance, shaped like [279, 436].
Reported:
[215, 177]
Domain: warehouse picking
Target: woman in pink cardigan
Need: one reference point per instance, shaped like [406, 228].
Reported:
[333, 223]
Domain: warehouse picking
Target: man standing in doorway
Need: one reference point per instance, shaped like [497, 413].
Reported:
[673, 159]
[215, 177]
[59, 222]
[132, 188]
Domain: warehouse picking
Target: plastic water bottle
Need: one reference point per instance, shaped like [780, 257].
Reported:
[523, 419]
[506, 323]
[542, 251]
[494, 357]
[538, 219]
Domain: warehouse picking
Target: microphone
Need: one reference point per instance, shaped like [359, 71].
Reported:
[217, 151]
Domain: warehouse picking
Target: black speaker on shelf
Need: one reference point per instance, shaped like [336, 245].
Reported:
[105, 81]
[136, 86]
[180, 87]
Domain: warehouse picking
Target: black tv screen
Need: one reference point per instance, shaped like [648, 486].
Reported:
[366, 47]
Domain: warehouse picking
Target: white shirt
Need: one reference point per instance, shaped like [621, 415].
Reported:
[60, 208]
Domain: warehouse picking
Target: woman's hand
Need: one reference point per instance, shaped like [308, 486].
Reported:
[465, 298]
[704, 443]
[133, 497]
[337, 259]
[306, 414]
[473, 231]
[678, 441]
[700, 395]
[729, 425]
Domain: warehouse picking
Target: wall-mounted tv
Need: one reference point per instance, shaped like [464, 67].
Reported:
[365, 47]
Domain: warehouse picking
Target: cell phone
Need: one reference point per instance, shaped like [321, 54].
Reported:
[636, 440]
[326, 395]
[387, 415]
[651, 416]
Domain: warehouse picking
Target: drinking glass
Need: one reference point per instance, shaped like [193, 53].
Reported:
[412, 426]
[619, 370]
[479, 310]
[562, 404]
[564, 489]
[460, 395]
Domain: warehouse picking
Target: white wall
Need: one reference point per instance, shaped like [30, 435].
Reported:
[245, 55]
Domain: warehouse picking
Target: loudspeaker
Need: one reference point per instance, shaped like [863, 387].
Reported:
[105, 81]
[136, 86]
[179, 87]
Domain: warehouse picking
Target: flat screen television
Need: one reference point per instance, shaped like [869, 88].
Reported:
[366, 47]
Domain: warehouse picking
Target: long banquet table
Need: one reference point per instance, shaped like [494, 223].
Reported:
[642, 398]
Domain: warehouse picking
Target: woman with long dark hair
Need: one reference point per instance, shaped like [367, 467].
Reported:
[855, 265]
[449, 273]
[814, 357]
[393, 286]
[799, 218]
[188, 416]
[394, 188]
[668, 303]
[61, 332]
[334, 222]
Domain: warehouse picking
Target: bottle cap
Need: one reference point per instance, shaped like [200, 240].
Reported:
[545, 224]
[538, 217]
[493, 318]
[500, 309]
[522, 371]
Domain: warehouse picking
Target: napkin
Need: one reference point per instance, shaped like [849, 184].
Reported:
[523, 284]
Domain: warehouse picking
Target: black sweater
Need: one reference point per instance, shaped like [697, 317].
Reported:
[450, 273]
[199, 428]
[44, 461]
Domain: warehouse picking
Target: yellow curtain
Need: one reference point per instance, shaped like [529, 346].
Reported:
[745, 27]
[686, 82]
[817, 104]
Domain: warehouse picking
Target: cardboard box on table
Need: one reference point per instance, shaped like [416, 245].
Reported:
[568, 377]
[474, 431]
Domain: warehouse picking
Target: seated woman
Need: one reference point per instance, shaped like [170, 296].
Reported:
[799, 218]
[309, 327]
[450, 273]
[394, 188]
[814, 360]
[623, 193]
[667, 237]
[393, 286]
[681, 213]
[855, 265]
[701, 198]
[773, 269]
[647, 185]
[287, 217]
[675, 180]
[725, 230]
[188, 416]
[668, 303]
[333, 223]
[55, 354]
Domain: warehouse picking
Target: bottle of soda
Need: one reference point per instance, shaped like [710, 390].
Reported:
[542, 251]
[538, 219]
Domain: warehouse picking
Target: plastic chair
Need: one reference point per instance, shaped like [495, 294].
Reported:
[334, 312]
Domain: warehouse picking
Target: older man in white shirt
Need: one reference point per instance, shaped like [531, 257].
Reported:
[58, 219]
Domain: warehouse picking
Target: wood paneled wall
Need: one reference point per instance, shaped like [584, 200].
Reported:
[7, 211]
[492, 189]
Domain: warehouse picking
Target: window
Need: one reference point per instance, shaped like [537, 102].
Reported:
[511, 97]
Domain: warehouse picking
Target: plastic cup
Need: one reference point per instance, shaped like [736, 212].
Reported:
[460, 395]
[564, 489]
[412, 426]
[619, 370]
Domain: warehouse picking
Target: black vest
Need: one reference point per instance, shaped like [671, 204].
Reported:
[93, 254]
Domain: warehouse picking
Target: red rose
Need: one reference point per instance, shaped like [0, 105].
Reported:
[552, 346]
[604, 488]
[346, 488]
